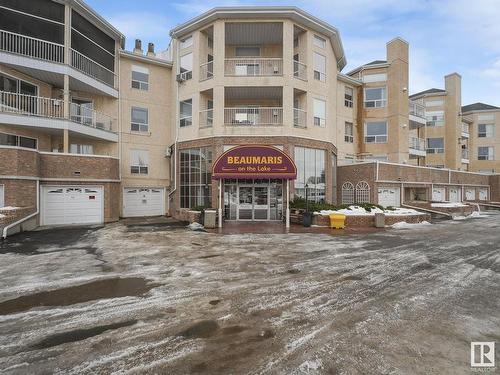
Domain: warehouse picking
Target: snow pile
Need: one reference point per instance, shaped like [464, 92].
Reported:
[448, 205]
[474, 215]
[9, 208]
[2, 216]
[196, 226]
[405, 225]
[360, 211]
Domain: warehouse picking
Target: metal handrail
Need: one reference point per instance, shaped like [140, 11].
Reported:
[31, 47]
[261, 66]
[206, 118]
[299, 70]
[206, 70]
[299, 118]
[253, 116]
[417, 109]
[92, 68]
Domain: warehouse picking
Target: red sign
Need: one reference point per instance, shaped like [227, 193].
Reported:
[254, 162]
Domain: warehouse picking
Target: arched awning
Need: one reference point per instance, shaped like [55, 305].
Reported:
[254, 161]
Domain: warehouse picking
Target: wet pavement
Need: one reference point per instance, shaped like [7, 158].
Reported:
[153, 297]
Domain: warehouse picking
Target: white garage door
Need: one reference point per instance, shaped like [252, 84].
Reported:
[470, 194]
[483, 194]
[143, 202]
[2, 196]
[438, 194]
[455, 194]
[72, 205]
[389, 196]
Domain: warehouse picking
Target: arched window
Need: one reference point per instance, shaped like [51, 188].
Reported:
[362, 192]
[347, 193]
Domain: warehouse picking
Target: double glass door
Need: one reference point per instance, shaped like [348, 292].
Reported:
[253, 202]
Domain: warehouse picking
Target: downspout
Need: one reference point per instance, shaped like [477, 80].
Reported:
[6, 229]
[176, 124]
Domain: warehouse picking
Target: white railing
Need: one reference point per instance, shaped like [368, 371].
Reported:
[465, 128]
[465, 154]
[416, 143]
[92, 68]
[37, 106]
[31, 47]
[300, 70]
[206, 118]
[253, 67]
[253, 116]
[417, 109]
[299, 118]
[206, 71]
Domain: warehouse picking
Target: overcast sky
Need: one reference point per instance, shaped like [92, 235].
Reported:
[445, 36]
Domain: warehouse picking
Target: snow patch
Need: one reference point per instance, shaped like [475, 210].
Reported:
[195, 226]
[360, 211]
[405, 225]
[448, 205]
[9, 208]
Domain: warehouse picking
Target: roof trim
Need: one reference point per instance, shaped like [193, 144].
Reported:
[293, 13]
[350, 80]
[146, 59]
[365, 67]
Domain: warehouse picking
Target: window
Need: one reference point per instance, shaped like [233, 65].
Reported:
[435, 145]
[348, 96]
[196, 177]
[210, 42]
[319, 67]
[434, 103]
[347, 193]
[17, 141]
[319, 41]
[81, 149]
[376, 132]
[485, 130]
[349, 132]
[295, 41]
[310, 174]
[435, 118]
[485, 153]
[247, 51]
[362, 192]
[140, 78]
[186, 113]
[187, 42]
[382, 77]
[375, 97]
[139, 161]
[186, 66]
[139, 120]
[319, 112]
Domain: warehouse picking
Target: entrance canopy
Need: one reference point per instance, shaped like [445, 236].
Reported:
[254, 161]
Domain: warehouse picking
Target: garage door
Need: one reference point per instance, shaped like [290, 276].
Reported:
[143, 202]
[438, 194]
[470, 194]
[454, 194]
[389, 196]
[72, 205]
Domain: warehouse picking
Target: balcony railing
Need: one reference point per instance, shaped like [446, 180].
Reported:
[299, 118]
[31, 47]
[37, 106]
[417, 109]
[300, 70]
[465, 130]
[253, 67]
[92, 68]
[465, 154]
[206, 71]
[266, 116]
[416, 143]
[206, 118]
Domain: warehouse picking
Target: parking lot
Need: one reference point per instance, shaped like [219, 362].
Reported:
[158, 298]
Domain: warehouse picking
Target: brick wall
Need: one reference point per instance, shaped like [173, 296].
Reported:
[19, 193]
[495, 188]
[355, 173]
[369, 221]
[67, 166]
[11, 216]
[18, 162]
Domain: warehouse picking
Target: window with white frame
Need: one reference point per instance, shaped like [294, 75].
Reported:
[319, 107]
[319, 67]
[187, 42]
[435, 145]
[75, 148]
[311, 173]
[434, 103]
[362, 192]
[434, 118]
[319, 41]
[376, 132]
[186, 66]
[348, 96]
[375, 97]
[186, 113]
[17, 141]
[485, 153]
[347, 193]
[349, 132]
[485, 130]
[139, 120]
[139, 162]
[140, 78]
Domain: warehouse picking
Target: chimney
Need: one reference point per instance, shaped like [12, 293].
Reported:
[151, 49]
[138, 47]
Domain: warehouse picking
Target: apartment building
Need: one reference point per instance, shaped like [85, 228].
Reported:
[247, 109]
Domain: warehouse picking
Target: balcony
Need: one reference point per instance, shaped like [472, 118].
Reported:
[92, 69]
[416, 115]
[299, 118]
[465, 130]
[465, 156]
[253, 67]
[253, 116]
[27, 110]
[31, 47]
[300, 70]
[206, 71]
[206, 118]
[416, 147]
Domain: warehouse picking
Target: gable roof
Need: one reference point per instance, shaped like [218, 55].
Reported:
[477, 107]
[429, 91]
[371, 63]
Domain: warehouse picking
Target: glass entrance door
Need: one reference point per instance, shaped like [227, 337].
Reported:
[261, 202]
[245, 203]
